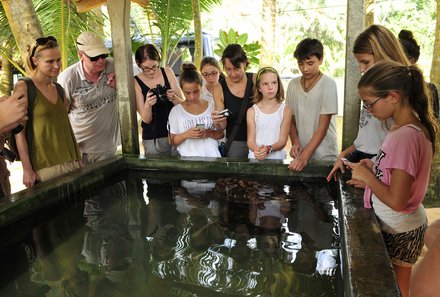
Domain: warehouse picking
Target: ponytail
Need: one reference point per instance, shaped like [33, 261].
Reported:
[386, 76]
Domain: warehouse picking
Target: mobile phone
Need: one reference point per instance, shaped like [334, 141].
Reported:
[225, 113]
[200, 126]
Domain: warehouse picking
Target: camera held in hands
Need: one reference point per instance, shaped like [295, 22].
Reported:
[225, 113]
[160, 92]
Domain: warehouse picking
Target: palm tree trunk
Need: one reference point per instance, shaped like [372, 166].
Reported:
[198, 40]
[435, 79]
[5, 78]
[24, 23]
[435, 66]
[369, 13]
[268, 27]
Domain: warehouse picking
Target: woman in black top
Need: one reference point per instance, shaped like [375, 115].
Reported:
[229, 94]
[157, 91]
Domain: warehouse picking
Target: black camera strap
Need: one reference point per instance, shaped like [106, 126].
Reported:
[239, 121]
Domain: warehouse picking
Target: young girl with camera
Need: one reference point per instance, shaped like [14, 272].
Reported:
[191, 128]
[268, 121]
[397, 183]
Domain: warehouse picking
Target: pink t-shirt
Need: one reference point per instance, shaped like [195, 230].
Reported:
[407, 149]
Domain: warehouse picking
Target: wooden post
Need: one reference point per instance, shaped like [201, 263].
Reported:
[355, 25]
[119, 13]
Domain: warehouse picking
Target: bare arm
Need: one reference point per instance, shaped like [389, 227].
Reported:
[396, 195]
[219, 105]
[284, 131]
[300, 162]
[250, 121]
[192, 133]
[175, 95]
[145, 109]
[294, 139]
[29, 175]
[339, 165]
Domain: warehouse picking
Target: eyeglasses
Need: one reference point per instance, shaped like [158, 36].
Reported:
[42, 41]
[148, 69]
[96, 58]
[209, 74]
[370, 105]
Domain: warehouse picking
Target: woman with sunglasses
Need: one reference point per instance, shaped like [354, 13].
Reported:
[157, 91]
[53, 150]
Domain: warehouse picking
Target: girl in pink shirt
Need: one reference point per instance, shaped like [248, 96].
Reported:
[397, 182]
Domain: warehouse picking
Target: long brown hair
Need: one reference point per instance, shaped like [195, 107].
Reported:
[386, 76]
[380, 42]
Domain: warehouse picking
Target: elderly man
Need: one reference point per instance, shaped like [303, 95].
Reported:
[91, 87]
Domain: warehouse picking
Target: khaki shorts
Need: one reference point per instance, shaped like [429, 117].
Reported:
[91, 158]
[57, 170]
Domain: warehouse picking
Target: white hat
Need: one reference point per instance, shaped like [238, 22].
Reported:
[91, 44]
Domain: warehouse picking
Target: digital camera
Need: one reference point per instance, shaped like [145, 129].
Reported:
[224, 113]
[160, 92]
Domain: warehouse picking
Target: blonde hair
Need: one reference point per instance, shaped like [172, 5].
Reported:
[39, 45]
[380, 42]
[258, 96]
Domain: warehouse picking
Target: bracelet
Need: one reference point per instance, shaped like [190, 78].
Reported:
[269, 149]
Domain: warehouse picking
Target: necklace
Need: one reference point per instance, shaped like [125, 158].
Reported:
[306, 89]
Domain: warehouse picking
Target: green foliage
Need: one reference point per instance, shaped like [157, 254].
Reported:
[233, 37]
[8, 46]
[60, 18]
[173, 19]
[419, 16]
[57, 18]
[327, 25]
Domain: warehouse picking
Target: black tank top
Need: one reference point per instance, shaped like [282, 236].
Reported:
[233, 103]
[157, 128]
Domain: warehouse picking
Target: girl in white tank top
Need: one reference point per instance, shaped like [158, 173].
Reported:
[268, 120]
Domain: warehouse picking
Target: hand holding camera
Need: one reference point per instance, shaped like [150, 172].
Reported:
[224, 113]
[161, 93]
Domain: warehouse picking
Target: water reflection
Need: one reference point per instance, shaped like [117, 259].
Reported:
[156, 236]
[240, 236]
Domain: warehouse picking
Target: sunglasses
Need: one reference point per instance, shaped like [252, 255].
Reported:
[96, 58]
[42, 41]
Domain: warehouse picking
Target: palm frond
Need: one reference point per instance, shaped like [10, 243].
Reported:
[60, 19]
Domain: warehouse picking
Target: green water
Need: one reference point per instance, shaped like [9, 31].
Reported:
[156, 234]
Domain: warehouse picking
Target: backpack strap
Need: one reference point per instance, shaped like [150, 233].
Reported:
[31, 92]
[60, 90]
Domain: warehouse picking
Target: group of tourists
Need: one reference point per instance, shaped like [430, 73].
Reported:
[74, 122]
